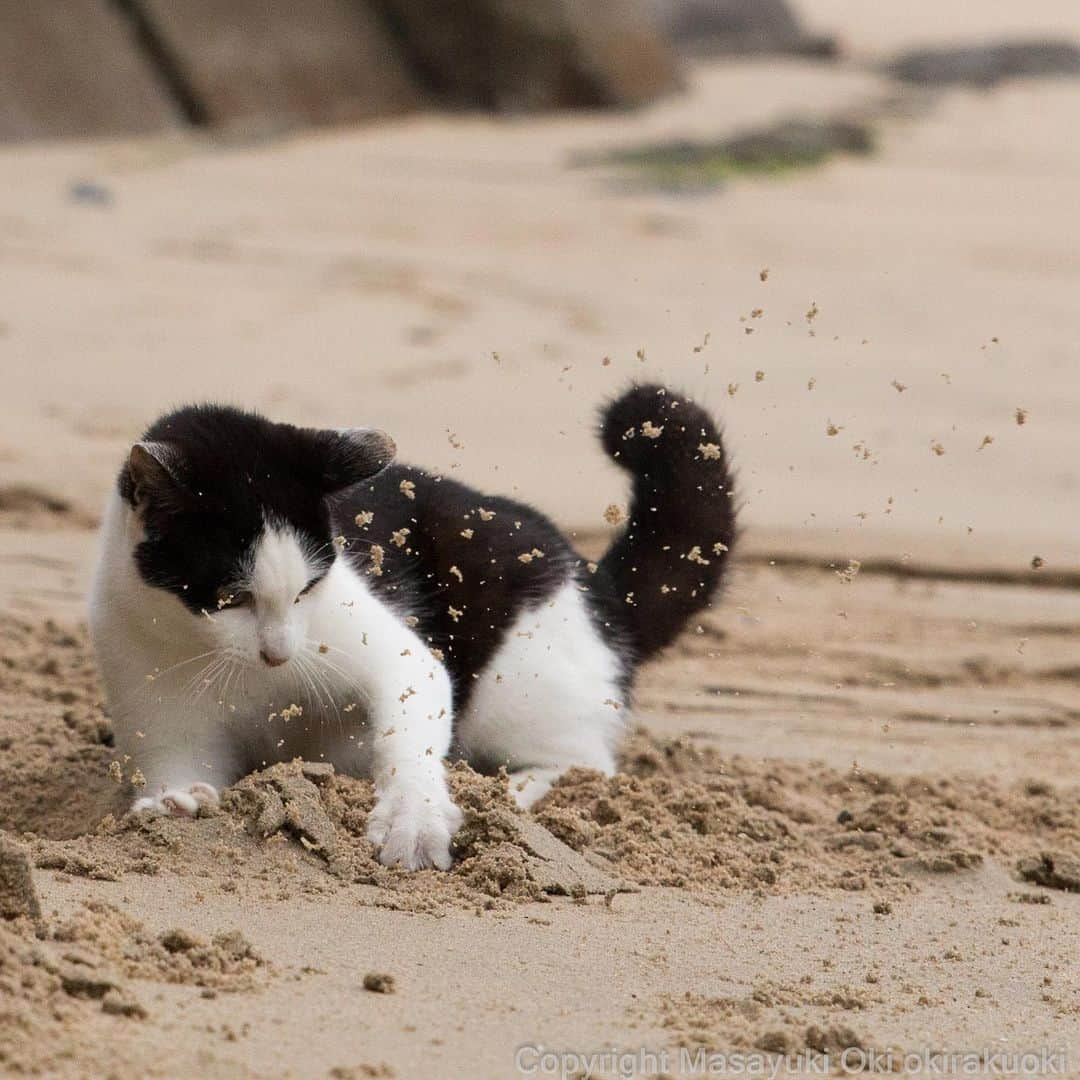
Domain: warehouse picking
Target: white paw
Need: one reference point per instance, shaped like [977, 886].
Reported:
[178, 802]
[413, 826]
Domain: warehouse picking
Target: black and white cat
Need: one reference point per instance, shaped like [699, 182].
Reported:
[266, 591]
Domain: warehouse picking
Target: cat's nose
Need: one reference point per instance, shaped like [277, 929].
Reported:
[272, 659]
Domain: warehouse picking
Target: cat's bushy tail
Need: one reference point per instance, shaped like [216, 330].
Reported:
[669, 561]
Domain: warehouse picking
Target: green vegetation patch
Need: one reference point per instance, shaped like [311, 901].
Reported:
[775, 151]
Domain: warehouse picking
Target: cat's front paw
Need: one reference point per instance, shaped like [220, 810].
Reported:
[178, 802]
[413, 827]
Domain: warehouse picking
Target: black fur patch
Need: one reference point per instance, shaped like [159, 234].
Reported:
[461, 563]
[223, 473]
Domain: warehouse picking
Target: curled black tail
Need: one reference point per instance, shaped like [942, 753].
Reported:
[669, 561]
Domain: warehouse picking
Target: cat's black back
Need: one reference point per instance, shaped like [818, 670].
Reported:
[463, 564]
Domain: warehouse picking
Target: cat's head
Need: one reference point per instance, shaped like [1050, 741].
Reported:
[235, 522]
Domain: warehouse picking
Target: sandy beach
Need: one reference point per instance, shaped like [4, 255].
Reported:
[848, 814]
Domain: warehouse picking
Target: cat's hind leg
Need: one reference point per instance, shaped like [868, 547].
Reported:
[528, 786]
[550, 698]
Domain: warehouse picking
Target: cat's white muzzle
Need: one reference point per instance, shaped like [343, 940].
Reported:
[277, 644]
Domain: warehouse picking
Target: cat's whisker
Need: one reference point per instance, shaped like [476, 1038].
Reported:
[200, 676]
[234, 668]
[322, 650]
[184, 663]
[349, 681]
[305, 680]
[344, 682]
[321, 679]
[314, 554]
[319, 652]
[148, 684]
[311, 661]
[210, 680]
[315, 687]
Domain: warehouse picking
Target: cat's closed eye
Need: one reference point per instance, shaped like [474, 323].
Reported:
[233, 598]
[306, 589]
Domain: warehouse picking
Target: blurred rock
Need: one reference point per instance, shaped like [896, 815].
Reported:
[986, 65]
[525, 55]
[737, 26]
[68, 68]
[251, 69]
[91, 193]
[249, 65]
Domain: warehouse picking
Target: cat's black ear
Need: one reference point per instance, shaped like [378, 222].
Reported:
[152, 473]
[355, 454]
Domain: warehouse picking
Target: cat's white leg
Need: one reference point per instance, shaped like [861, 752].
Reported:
[414, 818]
[160, 668]
[549, 699]
[408, 702]
[184, 750]
[185, 761]
[174, 736]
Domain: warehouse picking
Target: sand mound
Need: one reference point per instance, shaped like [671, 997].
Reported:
[54, 738]
[107, 935]
[686, 816]
[773, 1019]
[18, 897]
[56, 974]
[34, 1007]
[500, 853]
[676, 815]
[60, 974]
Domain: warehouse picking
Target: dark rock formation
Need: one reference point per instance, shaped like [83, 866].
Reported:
[987, 65]
[70, 68]
[737, 26]
[94, 67]
[520, 55]
[246, 62]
